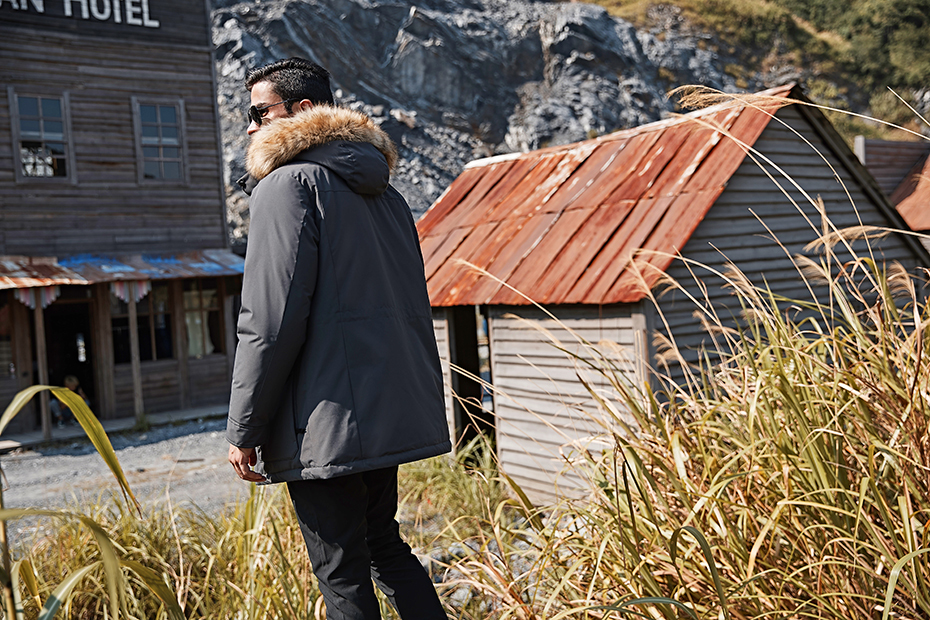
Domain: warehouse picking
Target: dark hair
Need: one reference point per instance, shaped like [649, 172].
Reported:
[294, 79]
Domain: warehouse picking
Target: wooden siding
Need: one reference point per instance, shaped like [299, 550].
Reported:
[731, 228]
[209, 380]
[441, 329]
[104, 208]
[160, 386]
[890, 161]
[542, 409]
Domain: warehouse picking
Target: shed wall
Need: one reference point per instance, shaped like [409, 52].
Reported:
[731, 231]
[542, 409]
[441, 328]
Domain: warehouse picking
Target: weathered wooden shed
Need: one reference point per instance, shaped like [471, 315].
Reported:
[562, 226]
[114, 260]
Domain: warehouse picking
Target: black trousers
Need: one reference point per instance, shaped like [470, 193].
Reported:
[352, 537]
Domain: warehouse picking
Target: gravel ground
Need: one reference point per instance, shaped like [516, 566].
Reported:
[185, 461]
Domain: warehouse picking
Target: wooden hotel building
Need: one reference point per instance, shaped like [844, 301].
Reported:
[114, 260]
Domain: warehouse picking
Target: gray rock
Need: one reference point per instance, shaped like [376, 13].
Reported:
[451, 81]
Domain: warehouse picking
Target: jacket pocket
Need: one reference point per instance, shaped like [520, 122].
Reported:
[279, 451]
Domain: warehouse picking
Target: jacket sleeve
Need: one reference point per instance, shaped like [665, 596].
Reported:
[277, 288]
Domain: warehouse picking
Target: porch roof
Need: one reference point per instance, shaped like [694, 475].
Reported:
[84, 269]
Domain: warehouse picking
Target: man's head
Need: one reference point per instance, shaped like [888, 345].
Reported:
[285, 87]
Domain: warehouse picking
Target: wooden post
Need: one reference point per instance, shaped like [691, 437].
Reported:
[42, 359]
[103, 353]
[134, 353]
[179, 327]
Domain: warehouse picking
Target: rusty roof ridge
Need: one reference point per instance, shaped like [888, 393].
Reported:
[494, 159]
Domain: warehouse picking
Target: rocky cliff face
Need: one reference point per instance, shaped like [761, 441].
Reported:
[452, 81]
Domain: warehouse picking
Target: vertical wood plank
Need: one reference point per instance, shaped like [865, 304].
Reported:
[180, 344]
[135, 358]
[42, 362]
[103, 361]
[22, 352]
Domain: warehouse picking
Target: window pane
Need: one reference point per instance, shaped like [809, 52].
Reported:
[172, 169]
[171, 152]
[159, 297]
[143, 307]
[151, 170]
[54, 130]
[169, 115]
[51, 108]
[169, 135]
[59, 167]
[28, 106]
[145, 339]
[121, 353]
[55, 148]
[150, 134]
[36, 160]
[150, 152]
[191, 295]
[209, 293]
[148, 114]
[193, 321]
[29, 127]
[215, 339]
[164, 346]
[118, 306]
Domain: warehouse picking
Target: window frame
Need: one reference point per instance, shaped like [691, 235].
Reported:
[220, 296]
[148, 299]
[65, 97]
[178, 103]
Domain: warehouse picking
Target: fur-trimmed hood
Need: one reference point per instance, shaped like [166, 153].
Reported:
[284, 139]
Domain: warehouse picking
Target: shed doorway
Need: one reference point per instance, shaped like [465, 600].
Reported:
[68, 345]
[468, 349]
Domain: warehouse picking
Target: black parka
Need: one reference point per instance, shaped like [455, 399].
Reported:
[336, 369]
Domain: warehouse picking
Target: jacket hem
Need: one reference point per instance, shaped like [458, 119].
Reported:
[333, 471]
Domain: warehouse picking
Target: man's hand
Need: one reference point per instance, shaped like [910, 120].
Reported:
[242, 460]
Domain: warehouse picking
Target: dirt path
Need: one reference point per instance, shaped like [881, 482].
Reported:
[187, 461]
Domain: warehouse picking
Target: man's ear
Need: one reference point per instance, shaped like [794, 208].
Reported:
[303, 104]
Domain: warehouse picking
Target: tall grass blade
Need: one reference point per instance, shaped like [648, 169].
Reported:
[156, 584]
[62, 593]
[109, 559]
[98, 437]
[893, 579]
[708, 557]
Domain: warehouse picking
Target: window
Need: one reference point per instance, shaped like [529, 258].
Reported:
[160, 141]
[153, 318]
[41, 135]
[202, 317]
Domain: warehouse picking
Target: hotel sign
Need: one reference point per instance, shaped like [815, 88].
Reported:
[114, 18]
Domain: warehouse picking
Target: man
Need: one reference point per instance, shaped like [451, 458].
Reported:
[337, 377]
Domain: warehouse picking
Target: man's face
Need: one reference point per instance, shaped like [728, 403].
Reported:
[262, 95]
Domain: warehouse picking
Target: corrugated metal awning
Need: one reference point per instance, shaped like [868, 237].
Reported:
[84, 269]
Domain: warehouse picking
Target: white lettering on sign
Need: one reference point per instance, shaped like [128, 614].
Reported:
[135, 12]
[85, 13]
[101, 13]
[22, 5]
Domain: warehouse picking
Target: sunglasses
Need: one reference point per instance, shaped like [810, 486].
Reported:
[257, 115]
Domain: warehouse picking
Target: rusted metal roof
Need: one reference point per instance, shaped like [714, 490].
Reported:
[912, 197]
[563, 224]
[30, 272]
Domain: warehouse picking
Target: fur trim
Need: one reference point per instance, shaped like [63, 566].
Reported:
[282, 140]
